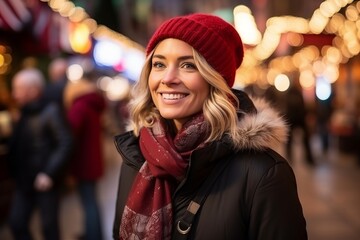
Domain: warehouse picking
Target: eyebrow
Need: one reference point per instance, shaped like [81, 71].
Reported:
[182, 58]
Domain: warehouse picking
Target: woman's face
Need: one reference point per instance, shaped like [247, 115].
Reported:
[177, 88]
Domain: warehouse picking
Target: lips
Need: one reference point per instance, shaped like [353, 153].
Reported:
[173, 96]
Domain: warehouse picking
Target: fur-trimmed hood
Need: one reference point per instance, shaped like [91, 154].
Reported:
[260, 126]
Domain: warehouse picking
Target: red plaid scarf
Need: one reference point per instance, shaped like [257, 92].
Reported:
[148, 211]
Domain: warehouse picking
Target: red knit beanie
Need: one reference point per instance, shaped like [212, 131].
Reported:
[215, 39]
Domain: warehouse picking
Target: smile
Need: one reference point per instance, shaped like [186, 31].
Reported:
[173, 96]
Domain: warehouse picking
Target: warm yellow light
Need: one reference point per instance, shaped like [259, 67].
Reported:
[246, 26]
[299, 60]
[318, 67]
[80, 38]
[271, 75]
[2, 60]
[77, 14]
[282, 82]
[332, 72]
[91, 24]
[66, 9]
[327, 8]
[56, 4]
[333, 55]
[318, 22]
[354, 47]
[4, 69]
[351, 13]
[307, 79]
[295, 39]
[118, 89]
[75, 72]
[336, 22]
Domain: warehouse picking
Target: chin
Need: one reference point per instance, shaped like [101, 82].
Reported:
[168, 116]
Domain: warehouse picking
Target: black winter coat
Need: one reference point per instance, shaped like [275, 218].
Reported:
[41, 143]
[254, 198]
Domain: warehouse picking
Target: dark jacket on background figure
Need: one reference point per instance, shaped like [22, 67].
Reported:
[254, 198]
[41, 143]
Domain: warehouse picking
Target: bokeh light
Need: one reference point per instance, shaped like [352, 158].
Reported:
[323, 88]
[282, 82]
[75, 72]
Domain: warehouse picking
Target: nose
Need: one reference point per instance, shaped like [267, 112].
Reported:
[170, 76]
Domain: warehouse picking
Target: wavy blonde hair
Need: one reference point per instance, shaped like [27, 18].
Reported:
[219, 109]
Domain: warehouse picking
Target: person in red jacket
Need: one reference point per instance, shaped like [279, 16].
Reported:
[84, 107]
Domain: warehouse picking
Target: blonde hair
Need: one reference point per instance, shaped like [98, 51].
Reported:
[219, 109]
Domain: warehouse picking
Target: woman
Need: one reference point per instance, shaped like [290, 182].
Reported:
[84, 110]
[198, 163]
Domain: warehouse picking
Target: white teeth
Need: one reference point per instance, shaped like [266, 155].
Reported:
[172, 96]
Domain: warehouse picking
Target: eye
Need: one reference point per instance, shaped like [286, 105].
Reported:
[157, 64]
[189, 65]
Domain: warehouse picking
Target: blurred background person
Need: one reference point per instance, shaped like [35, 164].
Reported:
[38, 152]
[296, 115]
[57, 81]
[323, 116]
[6, 182]
[85, 106]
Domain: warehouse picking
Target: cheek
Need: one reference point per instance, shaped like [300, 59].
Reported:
[204, 94]
[203, 89]
[202, 97]
[153, 81]
[152, 84]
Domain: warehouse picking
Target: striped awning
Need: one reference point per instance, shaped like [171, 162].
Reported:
[14, 15]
